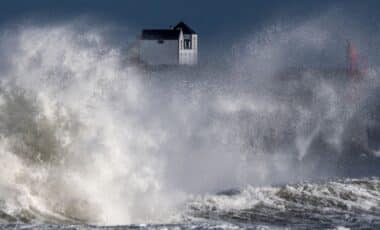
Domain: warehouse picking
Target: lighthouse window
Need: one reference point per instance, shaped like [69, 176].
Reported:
[187, 44]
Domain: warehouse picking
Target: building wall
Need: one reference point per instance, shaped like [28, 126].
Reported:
[153, 52]
[188, 56]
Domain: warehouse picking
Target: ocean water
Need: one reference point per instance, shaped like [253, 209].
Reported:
[90, 139]
[336, 204]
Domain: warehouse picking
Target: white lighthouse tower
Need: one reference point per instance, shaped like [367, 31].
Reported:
[188, 45]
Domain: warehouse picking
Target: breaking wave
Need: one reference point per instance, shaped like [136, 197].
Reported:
[350, 203]
[86, 136]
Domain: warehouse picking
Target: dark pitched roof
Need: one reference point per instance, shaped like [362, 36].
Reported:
[168, 34]
[160, 34]
[185, 28]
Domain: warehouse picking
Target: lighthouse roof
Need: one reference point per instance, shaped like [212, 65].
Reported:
[185, 28]
[160, 34]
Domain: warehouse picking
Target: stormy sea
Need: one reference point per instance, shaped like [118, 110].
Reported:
[277, 133]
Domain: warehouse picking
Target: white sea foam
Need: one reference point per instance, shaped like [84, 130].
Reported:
[86, 136]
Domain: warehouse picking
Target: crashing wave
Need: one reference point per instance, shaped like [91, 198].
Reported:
[86, 137]
[353, 203]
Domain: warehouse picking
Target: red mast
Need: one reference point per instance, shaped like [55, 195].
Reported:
[352, 58]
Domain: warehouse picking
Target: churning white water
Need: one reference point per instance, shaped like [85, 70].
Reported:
[86, 136]
[79, 136]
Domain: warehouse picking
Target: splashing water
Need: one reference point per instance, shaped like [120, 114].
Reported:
[86, 137]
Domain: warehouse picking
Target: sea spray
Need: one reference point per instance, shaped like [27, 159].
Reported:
[89, 138]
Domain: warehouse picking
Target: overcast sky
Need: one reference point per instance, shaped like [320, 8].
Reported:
[205, 16]
[217, 21]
